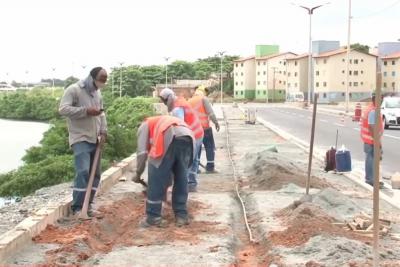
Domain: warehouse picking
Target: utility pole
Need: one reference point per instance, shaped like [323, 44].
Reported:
[310, 11]
[26, 79]
[348, 59]
[120, 79]
[166, 71]
[52, 91]
[221, 54]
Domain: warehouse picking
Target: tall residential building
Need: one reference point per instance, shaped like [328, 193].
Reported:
[244, 78]
[390, 70]
[271, 76]
[297, 74]
[330, 75]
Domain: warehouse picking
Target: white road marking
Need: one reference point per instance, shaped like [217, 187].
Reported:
[392, 136]
[323, 120]
[338, 124]
[357, 129]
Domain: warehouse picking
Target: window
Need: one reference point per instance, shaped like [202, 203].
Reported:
[393, 84]
[317, 73]
[385, 63]
[258, 73]
[350, 61]
[258, 63]
[258, 82]
[384, 74]
[349, 84]
[236, 93]
[237, 83]
[265, 92]
[362, 72]
[355, 61]
[288, 84]
[355, 73]
[362, 83]
[342, 94]
[284, 82]
[295, 63]
[265, 82]
[325, 61]
[342, 59]
[317, 84]
[264, 63]
[241, 83]
[237, 65]
[343, 83]
[324, 96]
[288, 74]
[295, 85]
[284, 63]
[342, 71]
[393, 62]
[280, 72]
[280, 62]
[355, 84]
[236, 74]
[393, 73]
[349, 72]
[284, 72]
[384, 85]
[264, 72]
[295, 74]
[324, 84]
[280, 82]
[241, 92]
[362, 60]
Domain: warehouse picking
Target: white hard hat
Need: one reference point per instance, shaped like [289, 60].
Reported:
[166, 92]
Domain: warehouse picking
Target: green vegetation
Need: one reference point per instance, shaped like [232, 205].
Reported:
[52, 162]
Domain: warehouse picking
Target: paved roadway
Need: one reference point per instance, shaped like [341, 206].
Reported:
[298, 123]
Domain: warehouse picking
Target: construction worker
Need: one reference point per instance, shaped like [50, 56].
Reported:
[367, 136]
[168, 143]
[82, 105]
[180, 108]
[204, 110]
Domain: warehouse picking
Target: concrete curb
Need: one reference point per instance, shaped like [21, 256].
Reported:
[22, 234]
[356, 174]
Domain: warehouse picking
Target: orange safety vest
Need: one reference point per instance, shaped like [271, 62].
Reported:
[197, 104]
[157, 127]
[191, 118]
[366, 134]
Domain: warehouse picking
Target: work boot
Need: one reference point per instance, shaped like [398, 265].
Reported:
[192, 188]
[212, 171]
[160, 223]
[181, 221]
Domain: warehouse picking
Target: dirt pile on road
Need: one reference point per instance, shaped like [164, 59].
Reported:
[271, 171]
[304, 221]
[119, 227]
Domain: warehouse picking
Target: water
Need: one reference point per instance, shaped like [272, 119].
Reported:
[15, 138]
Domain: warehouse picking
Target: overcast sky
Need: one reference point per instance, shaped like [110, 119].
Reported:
[66, 34]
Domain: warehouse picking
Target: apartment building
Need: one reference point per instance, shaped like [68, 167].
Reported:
[244, 78]
[271, 78]
[297, 74]
[390, 70]
[330, 75]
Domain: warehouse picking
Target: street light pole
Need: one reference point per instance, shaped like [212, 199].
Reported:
[310, 11]
[221, 54]
[348, 59]
[52, 91]
[120, 79]
[166, 71]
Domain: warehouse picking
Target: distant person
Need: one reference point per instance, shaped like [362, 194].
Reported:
[204, 110]
[168, 144]
[82, 105]
[180, 108]
[367, 136]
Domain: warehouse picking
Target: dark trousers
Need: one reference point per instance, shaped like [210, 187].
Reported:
[176, 161]
[209, 145]
[83, 157]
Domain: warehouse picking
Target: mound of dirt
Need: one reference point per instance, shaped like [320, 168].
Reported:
[304, 221]
[119, 227]
[271, 171]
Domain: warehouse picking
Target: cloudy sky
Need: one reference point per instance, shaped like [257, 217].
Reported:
[39, 35]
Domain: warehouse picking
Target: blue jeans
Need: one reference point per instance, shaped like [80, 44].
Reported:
[176, 161]
[209, 146]
[192, 177]
[84, 156]
[369, 163]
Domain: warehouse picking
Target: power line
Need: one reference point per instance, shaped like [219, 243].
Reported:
[377, 12]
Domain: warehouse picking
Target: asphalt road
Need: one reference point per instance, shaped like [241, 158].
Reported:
[298, 123]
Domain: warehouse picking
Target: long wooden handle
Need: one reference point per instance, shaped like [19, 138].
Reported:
[85, 206]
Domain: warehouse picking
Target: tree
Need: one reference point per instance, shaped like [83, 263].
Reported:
[360, 47]
[70, 80]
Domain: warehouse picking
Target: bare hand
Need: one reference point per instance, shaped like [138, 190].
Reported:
[217, 127]
[93, 111]
[103, 138]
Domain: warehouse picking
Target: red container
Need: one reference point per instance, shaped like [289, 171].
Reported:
[357, 112]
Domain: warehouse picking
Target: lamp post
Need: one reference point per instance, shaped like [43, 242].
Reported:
[221, 54]
[26, 79]
[120, 78]
[52, 90]
[166, 71]
[310, 11]
[348, 59]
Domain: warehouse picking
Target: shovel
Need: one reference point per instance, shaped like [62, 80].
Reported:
[84, 212]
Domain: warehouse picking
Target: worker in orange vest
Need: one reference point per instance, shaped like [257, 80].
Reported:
[367, 136]
[180, 108]
[204, 110]
[168, 144]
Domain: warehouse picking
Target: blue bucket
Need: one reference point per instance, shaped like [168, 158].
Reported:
[343, 161]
